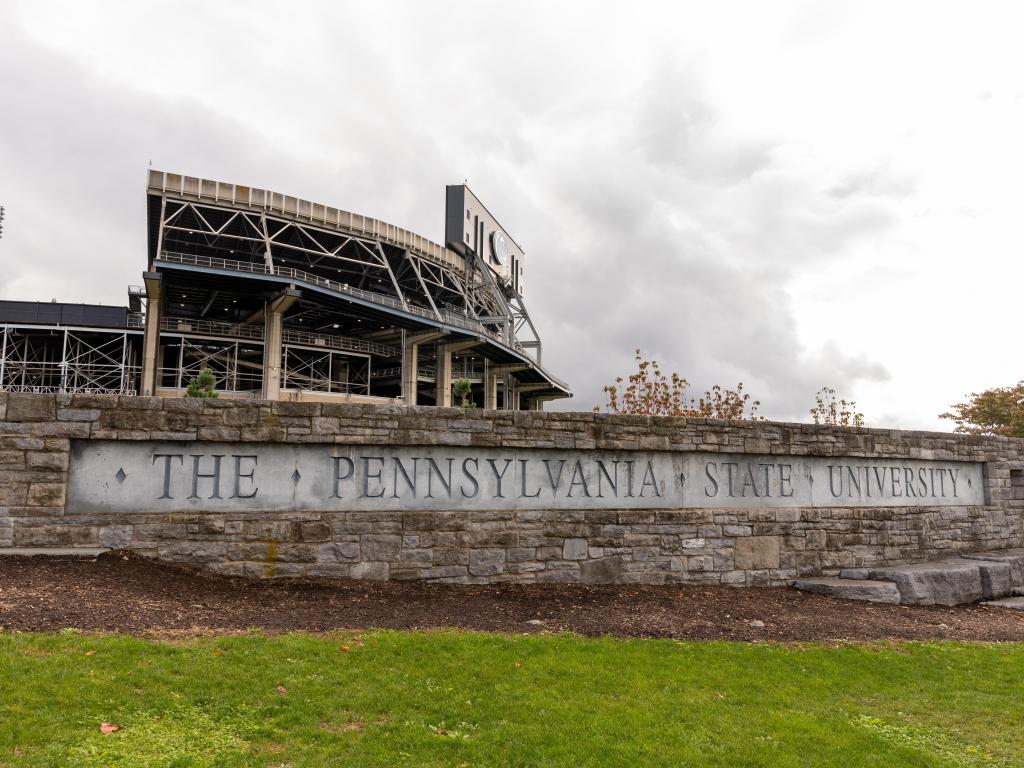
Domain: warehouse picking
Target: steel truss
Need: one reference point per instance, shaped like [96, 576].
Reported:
[318, 370]
[68, 360]
[237, 365]
[400, 274]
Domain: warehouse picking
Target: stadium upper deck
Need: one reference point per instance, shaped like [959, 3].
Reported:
[287, 299]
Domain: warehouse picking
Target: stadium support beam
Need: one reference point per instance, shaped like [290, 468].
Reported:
[274, 326]
[443, 380]
[491, 384]
[443, 377]
[411, 363]
[151, 339]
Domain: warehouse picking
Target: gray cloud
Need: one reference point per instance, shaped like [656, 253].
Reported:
[647, 221]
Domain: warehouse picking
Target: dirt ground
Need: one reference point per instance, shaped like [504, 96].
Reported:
[116, 593]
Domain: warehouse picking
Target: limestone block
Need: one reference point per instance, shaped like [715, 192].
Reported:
[996, 579]
[486, 562]
[25, 407]
[945, 582]
[314, 531]
[193, 551]
[46, 495]
[575, 549]
[1009, 603]
[756, 552]
[338, 552]
[604, 570]
[116, 536]
[370, 571]
[1014, 557]
[851, 589]
[382, 547]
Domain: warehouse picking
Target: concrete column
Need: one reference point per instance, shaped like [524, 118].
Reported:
[272, 346]
[491, 374]
[410, 371]
[151, 339]
[411, 363]
[443, 382]
[490, 391]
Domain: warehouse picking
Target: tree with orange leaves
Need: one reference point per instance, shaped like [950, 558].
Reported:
[650, 392]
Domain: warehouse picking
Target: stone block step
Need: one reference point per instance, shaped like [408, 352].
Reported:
[851, 589]
[1012, 557]
[53, 551]
[953, 581]
[1010, 603]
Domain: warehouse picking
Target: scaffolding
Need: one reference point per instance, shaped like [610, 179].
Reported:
[69, 360]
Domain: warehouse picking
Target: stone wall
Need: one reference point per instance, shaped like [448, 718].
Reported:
[591, 544]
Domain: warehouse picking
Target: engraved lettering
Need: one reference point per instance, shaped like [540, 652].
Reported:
[471, 476]
[832, 481]
[523, 493]
[894, 478]
[577, 472]
[613, 478]
[880, 480]
[785, 480]
[240, 475]
[731, 467]
[748, 481]
[908, 481]
[338, 476]
[707, 471]
[368, 476]
[649, 480]
[167, 470]
[767, 481]
[446, 482]
[554, 479]
[852, 480]
[499, 476]
[630, 477]
[410, 481]
[197, 475]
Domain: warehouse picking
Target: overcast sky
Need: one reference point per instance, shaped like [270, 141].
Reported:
[791, 195]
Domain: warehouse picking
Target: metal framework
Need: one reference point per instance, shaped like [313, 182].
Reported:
[281, 297]
[467, 294]
[314, 370]
[68, 360]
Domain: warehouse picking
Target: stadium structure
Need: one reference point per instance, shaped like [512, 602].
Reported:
[284, 299]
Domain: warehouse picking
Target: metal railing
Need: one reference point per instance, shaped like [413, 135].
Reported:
[211, 328]
[342, 343]
[304, 211]
[423, 371]
[259, 268]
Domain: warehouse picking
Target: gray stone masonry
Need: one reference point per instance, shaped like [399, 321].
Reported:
[757, 546]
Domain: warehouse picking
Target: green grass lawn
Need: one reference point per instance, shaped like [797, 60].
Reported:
[467, 699]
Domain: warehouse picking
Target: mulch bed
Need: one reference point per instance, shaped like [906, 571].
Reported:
[118, 593]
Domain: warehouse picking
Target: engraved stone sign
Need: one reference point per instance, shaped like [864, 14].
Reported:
[119, 476]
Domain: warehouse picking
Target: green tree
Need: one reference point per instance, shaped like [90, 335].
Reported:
[463, 393]
[203, 385]
[828, 410]
[998, 411]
